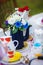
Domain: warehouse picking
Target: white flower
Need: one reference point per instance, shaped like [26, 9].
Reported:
[13, 19]
[24, 22]
[8, 17]
[17, 17]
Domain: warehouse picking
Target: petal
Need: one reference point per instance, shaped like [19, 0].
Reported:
[24, 22]
[25, 26]
[20, 9]
[17, 17]
[11, 21]
[6, 22]
[26, 8]
[18, 24]
[8, 17]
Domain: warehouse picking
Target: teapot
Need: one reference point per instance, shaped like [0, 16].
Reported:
[20, 37]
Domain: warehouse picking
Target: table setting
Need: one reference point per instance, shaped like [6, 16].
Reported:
[22, 41]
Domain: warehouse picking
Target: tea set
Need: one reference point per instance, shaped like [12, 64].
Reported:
[12, 40]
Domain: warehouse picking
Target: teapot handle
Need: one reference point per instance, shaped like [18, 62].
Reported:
[16, 42]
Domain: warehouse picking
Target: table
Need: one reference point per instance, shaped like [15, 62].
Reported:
[27, 52]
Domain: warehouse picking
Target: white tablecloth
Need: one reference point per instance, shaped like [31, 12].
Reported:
[25, 52]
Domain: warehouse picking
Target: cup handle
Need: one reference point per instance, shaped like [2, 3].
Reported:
[17, 43]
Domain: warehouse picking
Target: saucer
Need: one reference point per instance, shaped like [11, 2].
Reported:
[14, 60]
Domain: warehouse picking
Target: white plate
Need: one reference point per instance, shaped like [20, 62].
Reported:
[36, 19]
[21, 60]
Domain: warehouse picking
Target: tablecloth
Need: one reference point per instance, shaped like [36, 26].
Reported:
[30, 56]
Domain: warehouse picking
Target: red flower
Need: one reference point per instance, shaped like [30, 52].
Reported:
[26, 8]
[20, 9]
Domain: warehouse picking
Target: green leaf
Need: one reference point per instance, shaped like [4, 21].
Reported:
[14, 30]
[21, 28]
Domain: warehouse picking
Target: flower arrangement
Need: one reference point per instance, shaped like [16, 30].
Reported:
[20, 11]
[16, 22]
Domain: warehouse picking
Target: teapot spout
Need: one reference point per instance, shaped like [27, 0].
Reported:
[27, 33]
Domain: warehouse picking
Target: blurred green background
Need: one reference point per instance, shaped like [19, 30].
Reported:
[36, 6]
[7, 8]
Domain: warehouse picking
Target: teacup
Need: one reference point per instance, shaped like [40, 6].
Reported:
[7, 44]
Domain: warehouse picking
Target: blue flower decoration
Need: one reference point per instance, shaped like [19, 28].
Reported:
[37, 44]
[18, 24]
[6, 22]
[25, 26]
